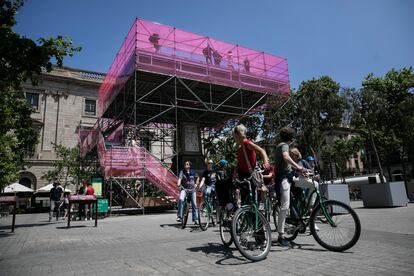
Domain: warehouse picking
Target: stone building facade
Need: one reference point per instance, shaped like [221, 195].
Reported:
[64, 100]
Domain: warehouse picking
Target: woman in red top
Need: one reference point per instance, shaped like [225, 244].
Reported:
[251, 149]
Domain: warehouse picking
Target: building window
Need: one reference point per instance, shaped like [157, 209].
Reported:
[90, 107]
[33, 100]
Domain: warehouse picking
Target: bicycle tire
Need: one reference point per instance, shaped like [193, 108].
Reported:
[341, 214]
[243, 228]
[185, 215]
[226, 234]
[204, 215]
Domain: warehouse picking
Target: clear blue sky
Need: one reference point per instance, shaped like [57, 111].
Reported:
[344, 39]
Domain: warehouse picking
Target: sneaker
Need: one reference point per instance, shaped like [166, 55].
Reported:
[196, 222]
[178, 219]
[261, 206]
[283, 242]
[317, 228]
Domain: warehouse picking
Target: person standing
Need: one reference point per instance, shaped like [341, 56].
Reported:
[81, 210]
[283, 172]
[89, 191]
[246, 158]
[208, 52]
[56, 195]
[187, 181]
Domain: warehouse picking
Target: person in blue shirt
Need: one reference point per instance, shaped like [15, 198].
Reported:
[187, 182]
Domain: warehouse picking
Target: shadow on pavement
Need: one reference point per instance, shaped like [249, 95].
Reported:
[220, 250]
[192, 226]
[73, 226]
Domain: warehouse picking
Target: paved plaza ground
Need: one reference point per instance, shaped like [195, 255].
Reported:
[155, 245]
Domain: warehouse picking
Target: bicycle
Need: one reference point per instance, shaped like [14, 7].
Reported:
[270, 205]
[186, 207]
[207, 210]
[250, 229]
[324, 221]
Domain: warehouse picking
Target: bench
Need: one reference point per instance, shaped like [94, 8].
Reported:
[83, 199]
[10, 200]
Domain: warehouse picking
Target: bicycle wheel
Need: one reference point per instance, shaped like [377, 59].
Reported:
[336, 226]
[225, 228]
[186, 208]
[291, 224]
[251, 233]
[204, 215]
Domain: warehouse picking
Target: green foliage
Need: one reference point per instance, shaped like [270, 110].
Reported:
[69, 167]
[315, 107]
[221, 145]
[21, 59]
[340, 151]
[384, 105]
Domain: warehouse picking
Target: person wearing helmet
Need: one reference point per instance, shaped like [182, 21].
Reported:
[224, 186]
[311, 161]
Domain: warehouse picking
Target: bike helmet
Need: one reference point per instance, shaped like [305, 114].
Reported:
[309, 158]
[223, 162]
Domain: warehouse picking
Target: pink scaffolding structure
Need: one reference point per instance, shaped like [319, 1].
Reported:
[163, 76]
[158, 48]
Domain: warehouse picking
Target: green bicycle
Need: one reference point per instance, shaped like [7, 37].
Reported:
[333, 224]
[250, 229]
[207, 211]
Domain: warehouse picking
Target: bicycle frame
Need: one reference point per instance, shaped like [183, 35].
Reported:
[300, 212]
[253, 203]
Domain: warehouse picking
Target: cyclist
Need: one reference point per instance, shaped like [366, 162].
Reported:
[300, 180]
[209, 178]
[187, 181]
[224, 186]
[246, 157]
[283, 171]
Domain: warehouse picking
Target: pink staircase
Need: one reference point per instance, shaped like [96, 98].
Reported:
[136, 162]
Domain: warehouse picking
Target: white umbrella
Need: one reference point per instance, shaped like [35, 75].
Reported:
[17, 188]
[48, 187]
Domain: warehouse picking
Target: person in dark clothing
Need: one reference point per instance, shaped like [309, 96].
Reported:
[154, 39]
[217, 57]
[209, 179]
[187, 182]
[82, 210]
[56, 195]
[208, 52]
[224, 187]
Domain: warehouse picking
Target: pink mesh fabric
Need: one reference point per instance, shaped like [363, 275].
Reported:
[135, 162]
[166, 50]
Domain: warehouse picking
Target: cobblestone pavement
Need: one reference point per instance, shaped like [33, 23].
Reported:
[155, 245]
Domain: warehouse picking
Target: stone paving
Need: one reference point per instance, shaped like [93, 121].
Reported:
[155, 245]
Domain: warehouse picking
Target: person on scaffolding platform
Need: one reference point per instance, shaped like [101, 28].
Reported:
[217, 57]
[155, 41]
[187, 182]
[208, 52]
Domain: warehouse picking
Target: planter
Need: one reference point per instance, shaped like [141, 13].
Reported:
[389, 194]
[337, 192]
[410, 191]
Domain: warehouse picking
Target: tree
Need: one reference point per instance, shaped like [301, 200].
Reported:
[340, 151]
[21, 59]
[382, 112]
[70, 167]
[317, 106]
